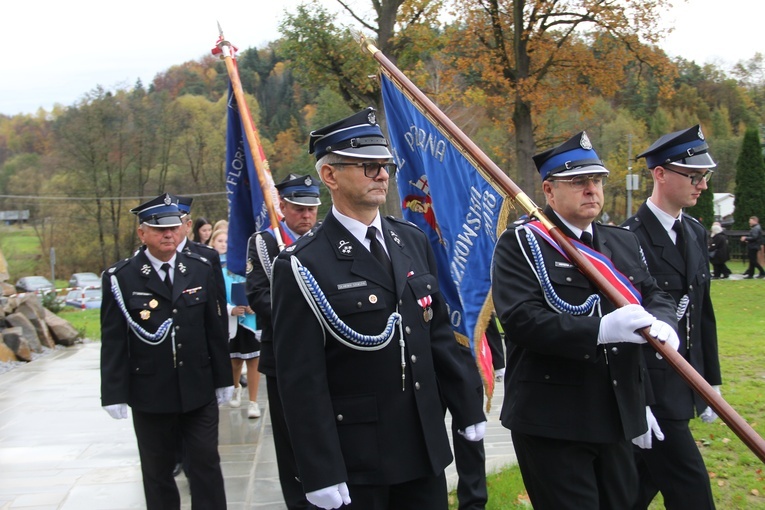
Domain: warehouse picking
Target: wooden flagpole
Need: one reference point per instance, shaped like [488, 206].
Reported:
[253, 140]
[502, 182]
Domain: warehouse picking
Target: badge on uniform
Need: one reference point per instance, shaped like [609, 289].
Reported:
[153, 304]
[182, 267]
[146, 269]
[345, 247]
[427, 311]
[145, 314]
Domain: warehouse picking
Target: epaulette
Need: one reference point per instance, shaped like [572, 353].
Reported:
[631, 222]
[691, 218]
[119, 265]
[196, 256]
[301, 242]
[403, 222]
[203, 245]
[625, 226]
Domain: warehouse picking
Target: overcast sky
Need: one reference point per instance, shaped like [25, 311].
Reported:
[56, 51]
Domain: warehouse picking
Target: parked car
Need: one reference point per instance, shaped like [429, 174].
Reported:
[85, 280]
[34, 284]
[91, 298]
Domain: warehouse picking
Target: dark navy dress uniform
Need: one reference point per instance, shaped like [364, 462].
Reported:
[675, 466]
[351, 416]
[170, 386]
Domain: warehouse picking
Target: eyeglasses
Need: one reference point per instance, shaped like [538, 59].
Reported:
[372, 168]
[581, 182]
[695, 178]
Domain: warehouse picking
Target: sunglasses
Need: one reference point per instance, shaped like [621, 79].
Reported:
[372, 168]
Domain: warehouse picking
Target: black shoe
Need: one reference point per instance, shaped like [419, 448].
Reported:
[761, 276]
[748, 277]
[177, 469]
[725, 276]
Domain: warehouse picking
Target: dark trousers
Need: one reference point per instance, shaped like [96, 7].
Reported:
[721, 270]
[754, 263]
[675, 468]
[427, 493]
[470, 461]
[494, 339]
[572, 475]
[157, 436]
[292, 489]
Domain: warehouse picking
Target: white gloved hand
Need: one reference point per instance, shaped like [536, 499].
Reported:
[474, 432]
[223, 395]
[621, 324]
[645, 441]
[117, 411]
[708, 416]
[665, 334]
[333, 496]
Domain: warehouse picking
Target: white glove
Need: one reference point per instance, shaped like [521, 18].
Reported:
[645, 441]
[665, 334]
[223, 395]
[474, 432]
[333, 496]
[621, 324]
[708, 416]
[117, 411]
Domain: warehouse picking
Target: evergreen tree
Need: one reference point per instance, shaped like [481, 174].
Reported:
[750, 181]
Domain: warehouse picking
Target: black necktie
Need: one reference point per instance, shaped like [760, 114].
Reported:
[168, 281]
[586, 238]
[680, 241]
[378, 251]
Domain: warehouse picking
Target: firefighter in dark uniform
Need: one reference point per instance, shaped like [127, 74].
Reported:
[675, 249]
[164, 354]
[298, 201]
[576, 384]
[363, 345]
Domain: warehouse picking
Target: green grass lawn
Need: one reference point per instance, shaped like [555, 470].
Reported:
[736, 474]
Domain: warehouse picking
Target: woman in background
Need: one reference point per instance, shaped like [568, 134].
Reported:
[719, 253]
[244, 345]
[201, 231]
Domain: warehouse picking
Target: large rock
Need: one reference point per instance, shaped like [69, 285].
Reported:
[63, 333]
[6, 353]
[15, 340]
[27, 328]
[32, 309]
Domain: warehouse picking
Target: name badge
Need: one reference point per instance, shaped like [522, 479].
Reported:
[351, 285]
[563, 264]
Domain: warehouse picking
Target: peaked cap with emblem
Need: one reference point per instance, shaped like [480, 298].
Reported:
[357, 136]
[184, 203]
[160, 212]
[299, 190]
[575, 156]
[686, 148]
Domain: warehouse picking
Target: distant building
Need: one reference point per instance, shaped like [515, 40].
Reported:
[11, 217]
[724, 204]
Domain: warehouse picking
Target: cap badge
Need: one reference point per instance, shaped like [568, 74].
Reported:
[146, 269]
[168, 200]
[308, 181]
[584, 142]
[372, 118]
[701, 135]
[345, 247]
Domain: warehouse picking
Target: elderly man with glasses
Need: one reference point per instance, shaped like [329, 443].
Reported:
[576, 388]
[675, 248]
[364, 349]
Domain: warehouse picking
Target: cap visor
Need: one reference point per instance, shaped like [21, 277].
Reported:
[310, 201]
[368, 152]
[585, 170]
[164, 221]
[697, 161]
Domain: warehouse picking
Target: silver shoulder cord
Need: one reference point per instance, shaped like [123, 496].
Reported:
[153, 339]
[263, 256]
[343, 333]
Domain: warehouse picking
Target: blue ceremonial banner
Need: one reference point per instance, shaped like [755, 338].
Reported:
[247, 212]
[447, 197]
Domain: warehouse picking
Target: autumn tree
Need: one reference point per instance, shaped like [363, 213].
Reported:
[530, 56]
[750, 181]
